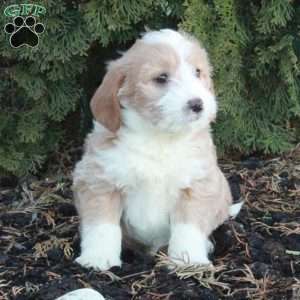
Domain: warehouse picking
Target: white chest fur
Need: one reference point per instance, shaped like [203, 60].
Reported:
[152, 170]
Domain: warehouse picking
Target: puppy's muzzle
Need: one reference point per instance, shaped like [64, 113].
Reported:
[195, 105]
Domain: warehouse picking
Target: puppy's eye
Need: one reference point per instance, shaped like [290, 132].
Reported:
[162, 78]
[198, 72]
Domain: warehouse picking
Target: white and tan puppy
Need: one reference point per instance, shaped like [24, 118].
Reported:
[150, 162]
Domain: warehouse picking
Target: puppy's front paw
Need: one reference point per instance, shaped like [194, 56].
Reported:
[188, 245]
[184, 258]
[182, 255]
[98, 262]
[100, 246]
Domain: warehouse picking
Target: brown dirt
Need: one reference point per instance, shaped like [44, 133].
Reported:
[257, 255]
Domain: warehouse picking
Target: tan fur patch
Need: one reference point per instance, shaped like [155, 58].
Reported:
[104, 104]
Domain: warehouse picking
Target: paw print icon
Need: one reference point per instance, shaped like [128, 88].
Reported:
[24, 32]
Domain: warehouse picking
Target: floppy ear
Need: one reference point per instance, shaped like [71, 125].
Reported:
[104, 104]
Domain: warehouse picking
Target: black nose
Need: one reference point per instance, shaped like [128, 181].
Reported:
[195, 105]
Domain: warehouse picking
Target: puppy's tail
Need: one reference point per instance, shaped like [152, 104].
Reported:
[234, 209]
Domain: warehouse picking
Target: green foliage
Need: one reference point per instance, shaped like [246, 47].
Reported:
[254, 48]
[39, 86]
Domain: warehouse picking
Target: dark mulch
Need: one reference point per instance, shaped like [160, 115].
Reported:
[257, 255]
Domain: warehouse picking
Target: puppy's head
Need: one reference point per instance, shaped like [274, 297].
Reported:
[163, 80]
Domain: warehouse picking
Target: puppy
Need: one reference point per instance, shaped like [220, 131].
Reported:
[149, 168]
